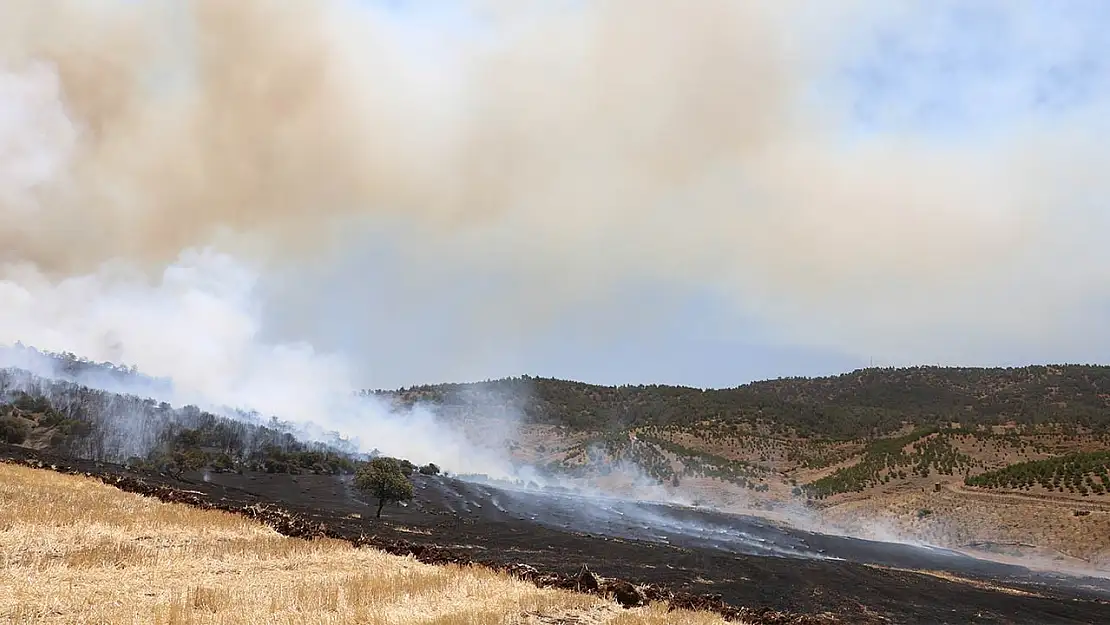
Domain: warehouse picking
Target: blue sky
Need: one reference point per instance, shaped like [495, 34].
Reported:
[969, 68]
[943, 73]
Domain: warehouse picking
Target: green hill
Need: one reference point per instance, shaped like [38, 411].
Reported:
[863, 403]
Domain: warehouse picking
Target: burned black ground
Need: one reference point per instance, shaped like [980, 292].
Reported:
[458, 521]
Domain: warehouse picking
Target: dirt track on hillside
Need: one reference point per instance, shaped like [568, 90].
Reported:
[1004, 496]
[761, 589]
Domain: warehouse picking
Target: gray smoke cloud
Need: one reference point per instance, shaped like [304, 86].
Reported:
[158, 160]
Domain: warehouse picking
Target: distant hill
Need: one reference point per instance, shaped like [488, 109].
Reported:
[863, 403]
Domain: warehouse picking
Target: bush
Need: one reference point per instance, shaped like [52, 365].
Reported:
[14, 430]
[32, 403]
[429, 469]
[189, 460]
[385, 479]
[75, 428]
[222, 462]
[50, 418]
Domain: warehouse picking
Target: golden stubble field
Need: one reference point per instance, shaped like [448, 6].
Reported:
[76, 551]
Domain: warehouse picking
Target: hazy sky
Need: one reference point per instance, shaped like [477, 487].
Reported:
[950, 72]
[618, 191]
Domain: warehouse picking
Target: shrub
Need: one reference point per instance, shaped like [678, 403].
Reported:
[32, 403]
[50, 418]
[222, 462]
[429, 469]
[75, 428]
[14, 430]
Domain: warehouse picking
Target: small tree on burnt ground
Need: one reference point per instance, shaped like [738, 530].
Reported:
[385, 479]
[187, 460]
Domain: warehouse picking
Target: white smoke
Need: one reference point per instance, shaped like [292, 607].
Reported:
[197, 325]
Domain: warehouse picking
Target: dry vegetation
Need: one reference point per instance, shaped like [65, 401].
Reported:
[886, 488]
[73, 550]
[1050, 532]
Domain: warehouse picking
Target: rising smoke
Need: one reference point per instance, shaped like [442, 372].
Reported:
[158, 158]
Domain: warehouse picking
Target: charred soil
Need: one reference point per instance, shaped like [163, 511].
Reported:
[434, 528]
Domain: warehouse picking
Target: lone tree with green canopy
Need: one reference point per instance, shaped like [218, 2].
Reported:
[384, 479]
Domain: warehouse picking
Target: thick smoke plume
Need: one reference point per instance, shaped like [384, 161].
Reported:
[134, 131]
[156, 158]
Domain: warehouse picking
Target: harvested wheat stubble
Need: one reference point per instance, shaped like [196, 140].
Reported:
[787, 590]
[74, 550]
[297, 526]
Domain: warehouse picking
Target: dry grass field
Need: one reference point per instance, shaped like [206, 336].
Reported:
[74, 550]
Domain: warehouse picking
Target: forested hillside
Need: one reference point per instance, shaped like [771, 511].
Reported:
[868, 402]
[739, 435]
[74, 419]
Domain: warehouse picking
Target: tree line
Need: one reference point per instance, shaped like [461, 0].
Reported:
[866, 403]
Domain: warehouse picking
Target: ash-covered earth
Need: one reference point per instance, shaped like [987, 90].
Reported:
[747, 560]
[744, 560]
[702, 527]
